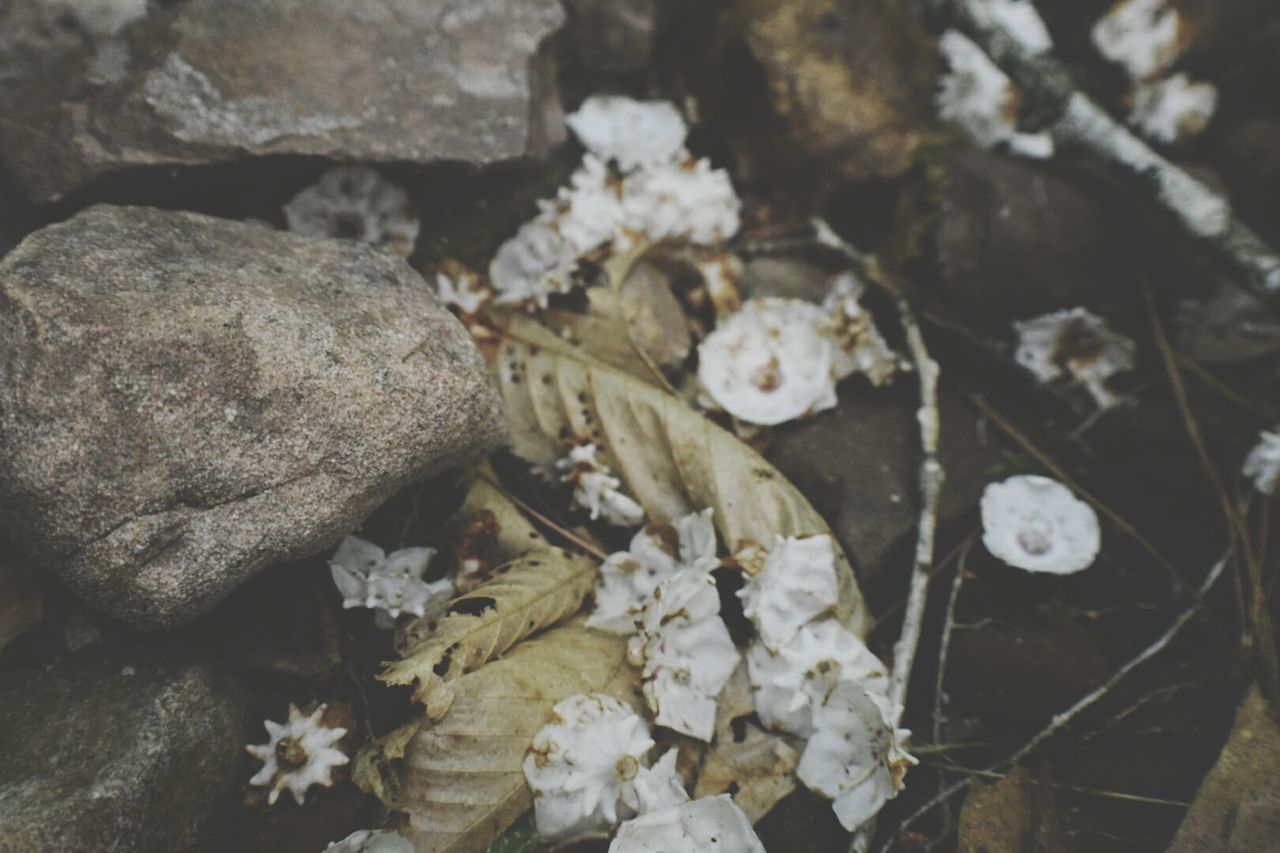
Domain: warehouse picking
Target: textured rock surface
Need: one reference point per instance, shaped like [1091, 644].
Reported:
[1014, 239]
[116, 755]
[851, 81]
[184, 400]
[858, 465]
[96, 86]
[612, 35]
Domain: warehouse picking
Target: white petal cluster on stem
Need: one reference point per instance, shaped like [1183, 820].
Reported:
[1076, 344]
[708, 825]
[391, 584]
[1263, 463]
[596, 490]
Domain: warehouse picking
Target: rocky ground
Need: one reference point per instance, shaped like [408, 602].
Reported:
[200, 398]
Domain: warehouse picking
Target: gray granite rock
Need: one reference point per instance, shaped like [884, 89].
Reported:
[95, 86]
[858, 465]
[184, 400]
[116, 755]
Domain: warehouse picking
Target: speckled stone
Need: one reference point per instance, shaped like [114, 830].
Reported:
[96, 86]
[185, 400]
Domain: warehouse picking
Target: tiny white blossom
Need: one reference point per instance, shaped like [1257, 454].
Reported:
[771, 362]
[686, 200]
[1075, 343]
[463, 289]
[1263, 463]
[860, 348]
[1018, 18]
[628, 132]
[357, 203]
[596, 490]
[708, 825]
[391, 584]
[372, 841]
[588, 212]
[301, 752]
[583, 765]
[792, 681]
[1145, 36]
[1174, 108]
[657, 787]
[685, 653]
[628, 578]
[977, 96]
[856, 755]
[796, 585]
[1037, 524]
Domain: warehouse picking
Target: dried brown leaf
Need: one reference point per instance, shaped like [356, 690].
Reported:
[534, 591]
[672, 459]
[374, 769]
[463, 780]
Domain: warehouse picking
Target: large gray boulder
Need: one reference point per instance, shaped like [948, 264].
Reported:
[184, 400]
[94, 86]
[117, 755]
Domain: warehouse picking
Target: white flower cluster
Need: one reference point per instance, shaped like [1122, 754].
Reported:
[629, 578]
[463, 289]
[1076, 343]
[1147, 37]
[596, 490]
[355, 203]
[813, 678]
[301, 752]
[778, 359]
[1263, 463]
[589, 768]
[708, 825]
[391, 584]
[372, 841]
[653, 191]
[1037, 524]
[685, 653]
[978, 97]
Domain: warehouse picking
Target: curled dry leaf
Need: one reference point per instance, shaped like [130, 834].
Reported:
[463, 781]
[374, 771]
[544, 586]
[672, 459]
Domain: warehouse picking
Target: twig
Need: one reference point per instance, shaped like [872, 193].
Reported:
[590, 547]
[1078, 789]
[944, 645]
[1059, 721]
[931, 474]
[1051, 99]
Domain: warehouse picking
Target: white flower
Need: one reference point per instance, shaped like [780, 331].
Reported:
[860, 348]
[1018, 18]
[355, 202]
[856, 756]
[1078, 343]
[372, 841]
[463, 289]
[628, 578]
[792, 681]
[796, 585]
[390, 583]
[770, 362]
[686, 200]
[596, 489]
[301, 753]
[656, 787]
[1145, 36]
[708, 825]
[1263, 463]
[542, 256]
[628, 132]
[537, 262]
[1035, 523]
[685, 653]
[1174, 108]
[977, 96]
[583, 764]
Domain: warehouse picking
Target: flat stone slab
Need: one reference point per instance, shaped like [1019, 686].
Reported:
[96, 86]
[185, 400]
